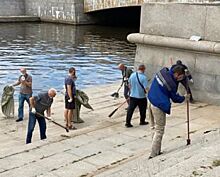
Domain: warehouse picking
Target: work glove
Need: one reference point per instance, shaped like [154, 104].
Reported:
[33, 110]
[191, 80]
[22, 78]
[51, 119]
[187, 97]
[70, 100]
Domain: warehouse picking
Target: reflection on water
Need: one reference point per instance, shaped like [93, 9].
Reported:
[48, 50]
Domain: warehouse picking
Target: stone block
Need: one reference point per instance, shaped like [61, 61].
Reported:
[207, 64]
[204, 82]
[80, 168]
[173, 20]
[212, 25]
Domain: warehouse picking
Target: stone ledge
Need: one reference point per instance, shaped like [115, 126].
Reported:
[8, 19]
[177, 43]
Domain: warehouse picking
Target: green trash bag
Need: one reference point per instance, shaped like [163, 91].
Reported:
[81, 99]
[7, 101]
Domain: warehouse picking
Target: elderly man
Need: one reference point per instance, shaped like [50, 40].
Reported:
[25, 82]
[164, 87]
[138, 86]
[38, 105]
[126, 73]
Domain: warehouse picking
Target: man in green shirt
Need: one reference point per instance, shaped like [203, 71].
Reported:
[126, 73]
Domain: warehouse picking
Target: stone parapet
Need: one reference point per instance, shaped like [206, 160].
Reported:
[177, 43]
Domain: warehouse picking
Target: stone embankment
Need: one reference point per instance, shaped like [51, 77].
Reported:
[102, 146]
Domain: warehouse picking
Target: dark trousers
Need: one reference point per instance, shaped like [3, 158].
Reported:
[142, 105]
[188, 90]
[31, 125]
[126, 93]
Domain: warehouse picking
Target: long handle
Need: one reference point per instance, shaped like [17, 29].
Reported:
[188, 141]
[113, 112]
[67, 130]
[120, 87]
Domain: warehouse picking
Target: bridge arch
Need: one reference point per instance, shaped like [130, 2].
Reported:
[97, 5]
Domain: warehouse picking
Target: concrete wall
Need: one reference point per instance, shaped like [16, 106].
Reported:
[181, 20]
[65, 11]
[165, 29]
[94, 5]
[12, 7]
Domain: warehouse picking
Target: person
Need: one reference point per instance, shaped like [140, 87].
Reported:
[188, 77]
[164, 87]
[38, 105]
[70, 94]
[25, 82]
[137, 85]
[126, 73]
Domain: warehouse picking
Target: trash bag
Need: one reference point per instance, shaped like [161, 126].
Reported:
[7, 101]
[81, 99]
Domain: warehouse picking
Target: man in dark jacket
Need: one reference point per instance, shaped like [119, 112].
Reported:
[38, 105]
[164, 87]
[186, 80]
[126, 73]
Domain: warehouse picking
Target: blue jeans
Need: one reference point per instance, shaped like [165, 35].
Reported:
[31, 125]
[21, 98]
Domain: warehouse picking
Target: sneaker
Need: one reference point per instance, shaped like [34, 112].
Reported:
[128, 125]
[19, 119]
[144, 123]
[72, 128]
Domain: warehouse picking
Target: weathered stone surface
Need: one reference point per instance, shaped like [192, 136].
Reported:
[12, 7]
[64, 11]
[174, 20]
[102, 143]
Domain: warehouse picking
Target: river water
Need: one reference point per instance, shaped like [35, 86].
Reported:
[48, 50]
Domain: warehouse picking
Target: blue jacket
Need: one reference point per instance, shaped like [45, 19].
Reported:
[163, 88]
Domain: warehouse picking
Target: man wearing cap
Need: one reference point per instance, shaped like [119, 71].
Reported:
[38, 105]
[163, 88]
[25, 82]
[188, 77]
[126, 73]
[137, 85]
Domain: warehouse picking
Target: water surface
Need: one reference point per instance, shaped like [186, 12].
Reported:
[47, 50]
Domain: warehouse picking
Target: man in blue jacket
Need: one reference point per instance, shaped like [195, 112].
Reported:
[164, 87]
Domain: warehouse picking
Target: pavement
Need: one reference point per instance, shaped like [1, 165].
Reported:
[102, 146]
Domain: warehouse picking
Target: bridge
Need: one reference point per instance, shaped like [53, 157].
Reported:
[97, 5]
